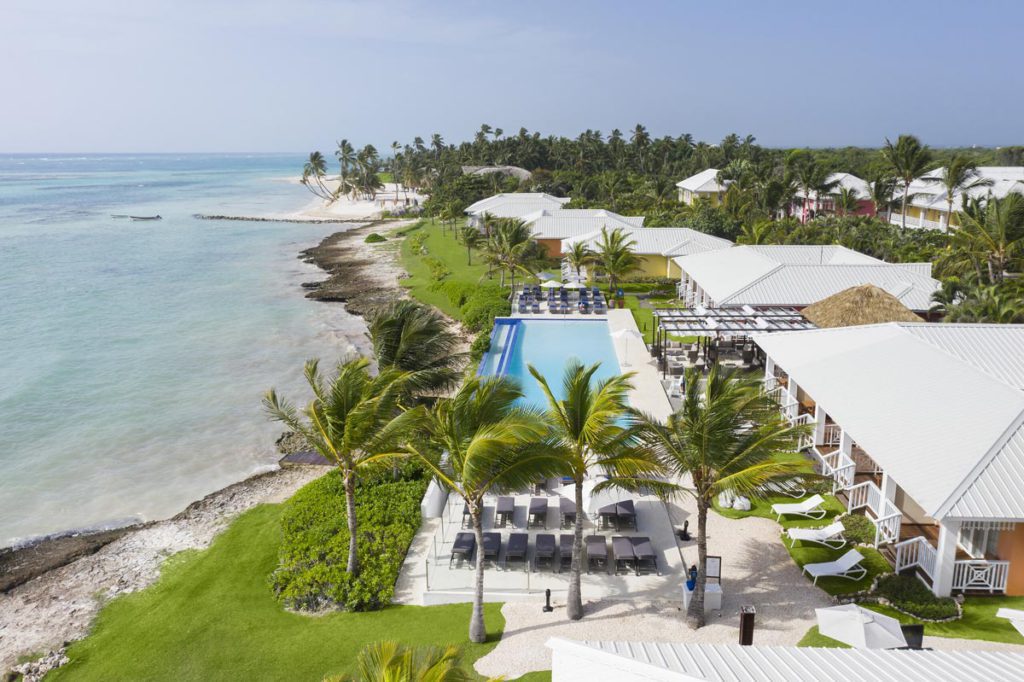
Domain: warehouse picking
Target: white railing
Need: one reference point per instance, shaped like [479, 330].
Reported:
[887, 516]
[833, 435]
[920, 222]
[980, 575]
[915, 552]
[806, 439]
[844, 470]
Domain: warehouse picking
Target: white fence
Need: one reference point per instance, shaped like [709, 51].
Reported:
[915, 552]
[980, 575]
[887, 516]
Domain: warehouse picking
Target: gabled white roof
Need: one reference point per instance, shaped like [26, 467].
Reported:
[928, 192]
[802, 275]
[940, 407]
[516, 204]
[672, 661]
[705, 181]
[563, 223]
[661, 241]
[845, 181]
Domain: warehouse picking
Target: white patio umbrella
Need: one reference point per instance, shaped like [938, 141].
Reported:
[860, 628]
[626, 335]
[553, 284]
[591, 501]
[573, 285]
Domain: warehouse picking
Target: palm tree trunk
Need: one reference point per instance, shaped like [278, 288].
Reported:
[469, 254]
[695, 614]
[477, 629]
[574, 604]
[906, 193]
[350, 508]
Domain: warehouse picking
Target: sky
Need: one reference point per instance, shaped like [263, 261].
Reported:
[297, 75]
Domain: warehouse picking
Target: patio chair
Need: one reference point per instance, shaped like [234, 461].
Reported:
[644, 553]
[622, 550]
[691, 355]
[564, 551]
[504, 511]
[830, 536]
[538, 513]
[567, 512]
[809, 509]
[516, 549]
[462, 548]
[1015, 616]
[535, 307]
[790, 488]
[544, 550]
[847, 566]
[597, 552]
[492, 546]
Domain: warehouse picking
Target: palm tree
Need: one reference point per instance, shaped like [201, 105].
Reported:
[394, 662]
[437, 144]
[511, 247]
[993, 236]
[586, 430]
[479, 441]
[313, 173]
[346, 155]
[353, 421]
[615, 255]
[725, 437]
[883, 188]
[812, 179]
[959, 176]
[847, 200]
[579, 256]
[471, 238]
[640, 139]
[416, 339]
[909, 159]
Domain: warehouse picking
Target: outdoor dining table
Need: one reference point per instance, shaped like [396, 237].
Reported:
[618, 514]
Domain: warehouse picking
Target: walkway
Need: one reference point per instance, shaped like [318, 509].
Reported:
[648, 394]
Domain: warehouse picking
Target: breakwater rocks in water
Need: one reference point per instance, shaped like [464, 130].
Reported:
[264, 219]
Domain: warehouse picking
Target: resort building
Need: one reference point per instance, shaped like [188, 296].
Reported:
[808, 205]
[796, 276]
[552, 226]
[703, 185]
[921, 427]
[514, 205]
[928, 206]
[657, 246]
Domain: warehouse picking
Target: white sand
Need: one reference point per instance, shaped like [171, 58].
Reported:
[359, 209]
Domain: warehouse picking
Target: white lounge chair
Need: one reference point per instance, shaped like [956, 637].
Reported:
[847, 566]
[790, 488]
[830, 536]
[1015, 616]
[809, 508]
[675, 388]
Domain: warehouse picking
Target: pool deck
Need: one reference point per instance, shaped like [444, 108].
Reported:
[648, 394]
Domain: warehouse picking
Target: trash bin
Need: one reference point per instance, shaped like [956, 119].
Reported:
[747, 625]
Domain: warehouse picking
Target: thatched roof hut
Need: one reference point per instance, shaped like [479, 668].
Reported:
[864, 304]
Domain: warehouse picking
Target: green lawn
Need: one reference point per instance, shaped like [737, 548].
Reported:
[211, 616]
[813, 638]
[979, 620]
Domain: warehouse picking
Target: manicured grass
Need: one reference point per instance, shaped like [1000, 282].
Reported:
[979, 620]
[813, 638]
[212, 616]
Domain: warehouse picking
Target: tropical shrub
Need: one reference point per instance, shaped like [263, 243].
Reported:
[859, 529]
[481, 344]
[374, 238]
[438, 270]
[457, 292]
[311, 571]
[909, 594]
[483, 305]
[418, 243]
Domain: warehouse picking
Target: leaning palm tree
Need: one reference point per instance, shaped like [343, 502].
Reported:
[990, 239]
[614, 253]
[479, 441]
[909, 159]
[512, 248]
[959, 176]
[579, 256]
[353, 421]
[394, 662]
[346, 155]
[314, 171]
[416, 339]
[471, 239]
[725, 437]
[585, 427]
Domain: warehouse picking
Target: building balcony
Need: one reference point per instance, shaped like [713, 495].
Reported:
[919, 223]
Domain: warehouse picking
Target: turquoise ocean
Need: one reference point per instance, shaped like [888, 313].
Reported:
[133, 355]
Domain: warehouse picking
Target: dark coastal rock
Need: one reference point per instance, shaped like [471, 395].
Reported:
[258, 219]
[289, 442]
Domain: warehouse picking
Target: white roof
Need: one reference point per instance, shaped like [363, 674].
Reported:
[516, 204]
[705, 181]
[670, 661]
[802, 275]
[845, 181]
[562, 223]
[928, 192]
[940, 407]
[661, 241]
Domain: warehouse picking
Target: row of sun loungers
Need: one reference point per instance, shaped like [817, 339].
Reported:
[621, 514]
[537, 513]
[632, 554]
[848, 566]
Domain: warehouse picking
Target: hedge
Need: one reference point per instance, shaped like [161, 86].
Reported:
[311, 571]
[483, 305]
[859, 529]
[910, 595]
[374, 238]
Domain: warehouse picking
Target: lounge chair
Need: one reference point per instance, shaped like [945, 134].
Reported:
[462, 548]
[564, 551]
[622, 549]
[544, 550]
[830, 536]
[1015, 616]
[644, 553]
[504, 511]
[538, 514]
[597, 552]
[809, 509]
[675, 387]
[535, 307]
[584, 308]
[516, 548]
[790, 488]
[847, 566]
[567, 511]
[627, 515]
[492, 546]
[599, 308]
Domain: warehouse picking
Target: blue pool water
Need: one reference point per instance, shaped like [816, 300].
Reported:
[549, 345]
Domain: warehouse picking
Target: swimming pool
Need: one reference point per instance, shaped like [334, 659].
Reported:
[548, 345]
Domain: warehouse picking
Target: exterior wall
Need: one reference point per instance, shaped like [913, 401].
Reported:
[674, 271]
[1011, 548]
[687, 197]
[553, 247]
[654, 266]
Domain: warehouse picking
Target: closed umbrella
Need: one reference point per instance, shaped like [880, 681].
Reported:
[626, 335]
[860, 628]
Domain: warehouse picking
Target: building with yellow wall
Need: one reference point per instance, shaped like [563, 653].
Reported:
[704, 186]
[658, 246]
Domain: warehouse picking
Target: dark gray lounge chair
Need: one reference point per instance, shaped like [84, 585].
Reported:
[627, 515]
[622, 548]
[538, 514]
[462, 548]
[564, 551]
[492, 546]
[644, 553]
[503, 511]
[544, 550]
[516, 548]
[597, 552]
[535, 307]
[567, 510]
